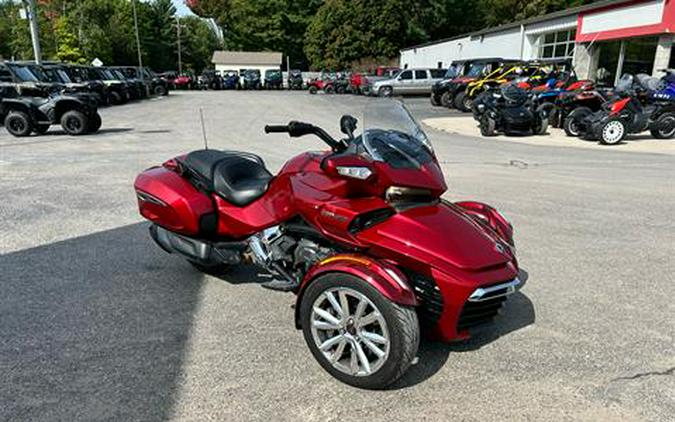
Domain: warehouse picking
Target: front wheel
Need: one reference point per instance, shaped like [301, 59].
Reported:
[664, 127]
[463, 102]
[573, 123]
[313, 90]
[540, 126]
[446, 100]
[75, 123]
[356, 334]
[612, 132]
[487, 125]
[386, 91]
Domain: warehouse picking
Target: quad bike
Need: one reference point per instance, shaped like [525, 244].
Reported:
[509, 110]
[25, 115]
[231, 79]
[251, 79]
[327, 85]
[358, 233]
[273, 79]
[295, 79]
[633, 109]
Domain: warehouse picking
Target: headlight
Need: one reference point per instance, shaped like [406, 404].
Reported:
[361, 173]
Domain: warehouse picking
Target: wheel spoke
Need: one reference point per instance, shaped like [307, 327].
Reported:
[334, 303]
[326, 315]
[338, 351]
[363, 359]
[360, 309]
[374, 337]
[378, 352]
[322, 325]
[369, 319]
[344, 303]
[353, 361]
[326, 345]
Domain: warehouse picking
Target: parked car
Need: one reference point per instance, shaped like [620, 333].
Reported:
[273, 79]
[408, 81]
[380, 73]
[146, 80]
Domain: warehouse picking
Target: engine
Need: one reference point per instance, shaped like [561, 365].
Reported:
[288, 251]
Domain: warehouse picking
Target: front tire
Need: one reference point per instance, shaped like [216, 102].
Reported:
[313, 90]
[356, 334]
[540, 127]
[386, 91]
[487, 125]
[75, 123]
[18, 123]
[446, 100]
[572, 124]
[612, 132]
[664, 127]
[463, 102]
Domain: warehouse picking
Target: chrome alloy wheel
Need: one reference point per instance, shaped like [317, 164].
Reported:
[613, 132]
[350, 331]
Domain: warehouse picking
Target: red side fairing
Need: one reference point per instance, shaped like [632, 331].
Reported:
[618, 106]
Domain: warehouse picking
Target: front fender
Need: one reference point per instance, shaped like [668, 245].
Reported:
[386, 278]
[491, 216]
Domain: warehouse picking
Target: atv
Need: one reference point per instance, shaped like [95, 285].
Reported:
[231, 79]
[295, 79]
[25, 115]
[252, 79]
[510, 110]
[273, 79]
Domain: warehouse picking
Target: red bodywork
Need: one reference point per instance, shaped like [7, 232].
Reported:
[182, 81]
[459, 246]
[619, 105]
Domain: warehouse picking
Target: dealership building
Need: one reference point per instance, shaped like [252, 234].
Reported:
[604, 40]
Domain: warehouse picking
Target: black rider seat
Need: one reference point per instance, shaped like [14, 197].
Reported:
[238, 177]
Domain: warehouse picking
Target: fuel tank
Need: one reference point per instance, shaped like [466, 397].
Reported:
[440, 235]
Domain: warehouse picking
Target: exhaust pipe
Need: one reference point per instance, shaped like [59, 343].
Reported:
[200, 251]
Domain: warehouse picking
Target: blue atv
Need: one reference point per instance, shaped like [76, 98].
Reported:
[231, 79]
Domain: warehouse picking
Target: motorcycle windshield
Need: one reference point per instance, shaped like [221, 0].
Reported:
[392, 135]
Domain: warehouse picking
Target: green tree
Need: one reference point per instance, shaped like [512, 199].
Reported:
[68, 46]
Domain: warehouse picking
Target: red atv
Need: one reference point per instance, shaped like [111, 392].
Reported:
[325, 83]
[184, 82]
[358, 233]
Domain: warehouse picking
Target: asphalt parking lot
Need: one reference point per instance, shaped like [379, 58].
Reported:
[98, 324]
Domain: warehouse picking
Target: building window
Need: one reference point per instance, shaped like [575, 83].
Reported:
[557, 45]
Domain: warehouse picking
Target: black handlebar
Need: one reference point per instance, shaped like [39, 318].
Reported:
[297, 129]
[276, 129]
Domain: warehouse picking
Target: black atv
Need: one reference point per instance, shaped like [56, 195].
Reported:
[295, 79]
[25, 115]
[509, 110]
[273, 79]
[252, 79]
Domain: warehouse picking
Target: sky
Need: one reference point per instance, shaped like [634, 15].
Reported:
[181, 8]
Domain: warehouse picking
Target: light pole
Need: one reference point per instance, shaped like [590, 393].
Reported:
[180, 59]
[34, 29]
[138, 47]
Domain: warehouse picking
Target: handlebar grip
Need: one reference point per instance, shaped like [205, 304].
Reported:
[276, 128]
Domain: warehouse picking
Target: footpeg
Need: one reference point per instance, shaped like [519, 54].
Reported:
[281, 285]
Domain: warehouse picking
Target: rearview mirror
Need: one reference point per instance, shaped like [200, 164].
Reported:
[348, 125]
